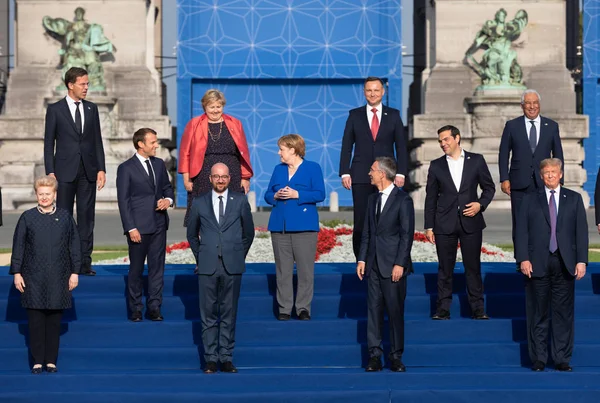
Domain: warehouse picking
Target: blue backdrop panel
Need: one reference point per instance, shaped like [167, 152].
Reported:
[591, 90]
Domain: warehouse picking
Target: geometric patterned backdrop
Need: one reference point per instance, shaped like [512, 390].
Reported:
[287, 67]
[591, 90]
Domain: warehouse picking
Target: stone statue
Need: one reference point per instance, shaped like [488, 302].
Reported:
[83, 44]
[498, 67]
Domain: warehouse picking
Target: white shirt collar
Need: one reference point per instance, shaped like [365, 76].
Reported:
[388, 190]
[556, 191]
[215, 195]
[71, 101]
[537, 120]
[379, 107]
[462, 155]
[141, 158]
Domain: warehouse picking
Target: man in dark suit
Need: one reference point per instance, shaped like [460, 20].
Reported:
[551, 246]
[73, 126]
[385, 259]
[144, 194]
[373, 130]
[597, 200]
[528, 140]
[453, 213]
[220, 232]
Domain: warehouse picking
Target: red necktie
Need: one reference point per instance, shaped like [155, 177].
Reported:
[374, 124]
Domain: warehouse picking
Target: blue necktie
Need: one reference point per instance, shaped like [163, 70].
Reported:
[552, 208]
[532, 136]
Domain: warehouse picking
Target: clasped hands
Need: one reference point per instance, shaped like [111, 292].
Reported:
[286, 193]
[397, 271]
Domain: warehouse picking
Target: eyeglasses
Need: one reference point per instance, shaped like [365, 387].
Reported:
[217, 177]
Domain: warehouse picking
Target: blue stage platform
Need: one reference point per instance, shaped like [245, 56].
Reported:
[106, 358]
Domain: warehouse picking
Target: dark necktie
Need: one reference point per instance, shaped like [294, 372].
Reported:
[532, 136]
[78, 124]
[552, 208]
[221, 209]
[374, 124]
[150, 172]
[378, 208]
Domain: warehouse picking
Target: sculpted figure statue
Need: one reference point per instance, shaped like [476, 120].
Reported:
[83, 44]
[498, 65]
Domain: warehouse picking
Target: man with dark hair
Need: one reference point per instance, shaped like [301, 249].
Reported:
[373, 130]
[453, 214]
[73, 127]
[385, 259]
[144, 194]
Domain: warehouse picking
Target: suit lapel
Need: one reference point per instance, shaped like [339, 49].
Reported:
[466, 166]
[389, 202]
[446, 171]
[87, 111]
[141, 170]
[64, 106]
[229, 206]
[562, 204]
[211, 211]
[365, 122]
[544, 205]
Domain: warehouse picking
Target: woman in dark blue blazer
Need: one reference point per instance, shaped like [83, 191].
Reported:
[295, 188]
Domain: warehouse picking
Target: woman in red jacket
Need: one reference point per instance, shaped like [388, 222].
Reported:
[210, 138]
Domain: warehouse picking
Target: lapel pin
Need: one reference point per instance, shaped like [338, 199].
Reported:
[545, 124]
[304, 210]
[230, 197]
[385, 113]
[469, 158]
[56, 219]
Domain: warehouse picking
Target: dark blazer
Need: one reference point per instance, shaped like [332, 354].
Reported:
[296, 214]
[523, 163]
[137, 197]
[443, 200]
[391, 240]
[234, 235]
[357, 133]
[532, 237]
[596, 198]
[72, 147]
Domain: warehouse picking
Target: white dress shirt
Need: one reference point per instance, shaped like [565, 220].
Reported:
[73, 107]
[215, 202]
[537, 122]
[556, 197]
[370, 113]
[385, 194]
[456, 168]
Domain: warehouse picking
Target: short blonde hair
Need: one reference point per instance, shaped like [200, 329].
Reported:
[213, 95]
[45, 181]
[294, 141]
[553, 162]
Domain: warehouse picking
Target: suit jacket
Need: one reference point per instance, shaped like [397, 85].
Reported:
[72, 147]
[137, 197]
[389, 241]
[357, 133]
[296, 214]
[195, 141]
[233, 236]
[532, 235]
[443, 200]
[523, 163]
[597, 198]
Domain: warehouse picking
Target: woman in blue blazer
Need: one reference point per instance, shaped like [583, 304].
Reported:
[295, 188]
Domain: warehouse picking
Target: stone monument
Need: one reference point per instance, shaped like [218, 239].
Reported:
[477, 70]
[117, 49]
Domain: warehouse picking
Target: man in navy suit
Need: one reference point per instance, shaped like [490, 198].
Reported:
[453, 213]
[385, 259]
[73, 126]
[551, 246]
[220, 232]
[144, 194]
[373, 130]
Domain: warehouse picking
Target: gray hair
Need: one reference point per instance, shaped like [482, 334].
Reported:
[553, 162]
[530, 91]
[388, 167]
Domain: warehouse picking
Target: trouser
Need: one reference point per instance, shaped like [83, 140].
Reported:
[44, 334]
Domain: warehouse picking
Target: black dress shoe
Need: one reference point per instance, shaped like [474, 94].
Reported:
[374, 365]
[564, 367]
[210, 367]
[36, 370]
[304, 315]
[51, 370]
[228, 366]
[397, 366]
[88, 272]
[480, 315]
[538, 366]
[136, 316]
[155, 316]
[283, 316]
[441, 315]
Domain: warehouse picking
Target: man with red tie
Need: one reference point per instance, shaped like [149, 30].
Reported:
[373, 130]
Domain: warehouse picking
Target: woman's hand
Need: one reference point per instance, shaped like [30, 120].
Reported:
[73, 281]
[286, 193]
[19, 283]
[246, 185]
[188, 185]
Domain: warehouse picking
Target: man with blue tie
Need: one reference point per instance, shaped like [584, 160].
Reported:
[551, 247]
[220, 232]
[144, 194]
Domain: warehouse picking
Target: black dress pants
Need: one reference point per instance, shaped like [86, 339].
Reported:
[44, 334]
[360, 199]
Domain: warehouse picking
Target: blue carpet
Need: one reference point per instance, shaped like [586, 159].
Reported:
[105, 358]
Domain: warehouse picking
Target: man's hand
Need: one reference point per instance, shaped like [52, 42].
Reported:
[246, 185]
[472, 209]
[397, 272]
[54, 176]
[399, 181]
[429, 235]
[163, 204]
[19, 282]
[526, 268]
[360, 270]
[73, 281]
[579, 271]
[135, 236]
[347, 182]
[101, 179]
[505, 186]
[599, 228]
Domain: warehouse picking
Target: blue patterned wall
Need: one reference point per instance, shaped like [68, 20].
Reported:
[591, 89]
[287, 66]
